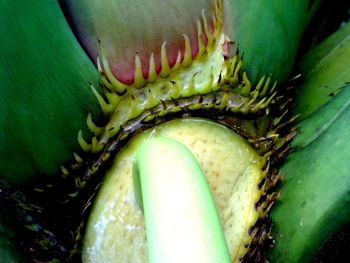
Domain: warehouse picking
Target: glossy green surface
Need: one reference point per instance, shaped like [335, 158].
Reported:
[267, 33]
[326, 71]
[44, 90]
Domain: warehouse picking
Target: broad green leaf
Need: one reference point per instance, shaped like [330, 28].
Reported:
[44, 90]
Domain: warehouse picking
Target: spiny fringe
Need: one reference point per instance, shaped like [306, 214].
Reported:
[112, 84]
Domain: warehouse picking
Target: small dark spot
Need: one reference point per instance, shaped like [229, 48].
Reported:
[331, 94]
[303, 204]
[219, 80]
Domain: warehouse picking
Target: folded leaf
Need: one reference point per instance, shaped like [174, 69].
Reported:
[44, 90]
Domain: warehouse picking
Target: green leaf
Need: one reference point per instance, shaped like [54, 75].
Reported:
[315, 197]
[326, 71]
[267, 33]
[44, 90]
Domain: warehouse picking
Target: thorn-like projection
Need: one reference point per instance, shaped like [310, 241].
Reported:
[165, 71]
[175, 90]
[152, 74]
[106, 108]
[246, 85]
[64, 171]
[260, 83]
[273, 89]
[267, 102]
[77, 158]
[201, 47]
[118, 86]
[86, 147]
[207, 87]
[113, 98]
[178, 61]
[95, 145]
[188, 52]
[223, 102]
[236, 67]
[258, 106]
[139, 80]
[191, 89]
[254, 97]
[266, 87]
[277, 120]
[207, 32]
[103, 77]
[78, 183]
[97, 131]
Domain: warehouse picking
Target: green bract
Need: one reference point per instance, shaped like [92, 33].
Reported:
[44, 90]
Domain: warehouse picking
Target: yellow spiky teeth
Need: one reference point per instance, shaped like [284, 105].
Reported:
[206, 42]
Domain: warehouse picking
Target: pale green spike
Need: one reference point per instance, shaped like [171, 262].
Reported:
[79, 184]
[216, 85]
[266, 87]
[206, 88]
[178, 61]
[175, 90]
[276, 121]
[234, 79]
[104, 80]
[272, 90]
[188, 52]
[223, 102]
[258, 106]
[165, 71]
[231, 66]
[113, 98]
[106, 108]
[86, 147]
[260, 83]
[152, 74]
[201, 47]
[218, 8]
[265, 104]
[255, 96]
[97, 131]
[77, 158]
[64, 170]
[237, 108]
[247, 85]
[95, 145]
[139, 80]
[191, 89]
[206, 30]
[117, 85]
